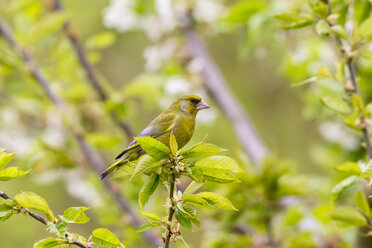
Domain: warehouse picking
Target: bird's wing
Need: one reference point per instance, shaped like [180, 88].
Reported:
[162, 124]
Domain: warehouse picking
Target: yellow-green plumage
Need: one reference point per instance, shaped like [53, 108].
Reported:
[178, 118]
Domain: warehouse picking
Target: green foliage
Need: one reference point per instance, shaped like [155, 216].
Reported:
[10, 172]
[105, 238]
[75, 215]
[49, 243]
[154, 148]
[293, 20]
[33, 201]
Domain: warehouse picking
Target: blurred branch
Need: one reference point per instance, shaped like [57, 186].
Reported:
[41, 219]
[89, 70]
[93, 159]
[218, 89]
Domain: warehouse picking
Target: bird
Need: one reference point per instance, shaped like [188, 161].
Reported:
[178, 118]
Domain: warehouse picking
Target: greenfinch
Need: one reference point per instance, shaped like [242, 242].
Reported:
[178, 118]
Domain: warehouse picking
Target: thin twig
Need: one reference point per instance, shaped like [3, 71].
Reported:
[171, 210]
[219, 91]
[92, 157]
[89, 70]
[41, 219]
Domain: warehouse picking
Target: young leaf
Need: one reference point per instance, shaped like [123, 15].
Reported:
[103, 237]
[341, 186]
[241, 11]
[216, 200]
[49, 243]
[5, 158]
[294, 20]
[145, 227]
[154, 148]
[193, 186]
[366, 169]
[173, 144]
[75, 215]
[33, 201]
[350, 168]
[12, 173]
[201, 150]
[195, 200]
[336, 104]
[348, 216]
[148, 189]
[322, 28]
[185, 222]
[4, 215]
[218, 175]
[144, 164]
[150, 215]
[100, 40]
[362, 203]
[218, 162]
[58, 229]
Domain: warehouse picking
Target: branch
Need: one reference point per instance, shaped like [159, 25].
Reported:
[171, 211]
[89, 70]
[351, 69]
[41, 219]
[93, 159]
[218, 89]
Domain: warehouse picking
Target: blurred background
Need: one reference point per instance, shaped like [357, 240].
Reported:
[138, 53]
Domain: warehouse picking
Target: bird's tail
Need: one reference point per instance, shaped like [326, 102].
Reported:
[113, 167]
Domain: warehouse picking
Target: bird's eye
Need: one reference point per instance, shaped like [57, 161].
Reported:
[193, 100]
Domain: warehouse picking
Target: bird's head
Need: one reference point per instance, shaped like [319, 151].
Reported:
[191, 104]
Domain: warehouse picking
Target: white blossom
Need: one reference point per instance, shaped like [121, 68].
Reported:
[155, 56]
[177, 86]
[207, 10]
[120, 15]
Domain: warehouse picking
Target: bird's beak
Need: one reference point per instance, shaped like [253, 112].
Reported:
[202, 105]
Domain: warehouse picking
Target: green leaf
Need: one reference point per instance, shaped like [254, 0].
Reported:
[366, 169]
[322, 28]
[145, 227]
[4, 215]
[195, 200]
[150, 215]
[243, 10]
[49, 243]
[362, 203]
[216, 200]
[33, 201]
[195, 173]
[75, 215]
[324, 72]
[101, 40]
[341, 186]
[336, 104]
[5, 158]
[12, 173]
[145, 163]
[365, 29]
[349, 168]
[154, 148]
[348, 216]
[185, 222]
[58, 229]
[320, 8]
[148, 189]
[103, 237]
[339, 31]
[219, 169]
[219, 162]
[201, 150]
[173, 144]
[368, 110]
[193, 186]
[294, 20]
